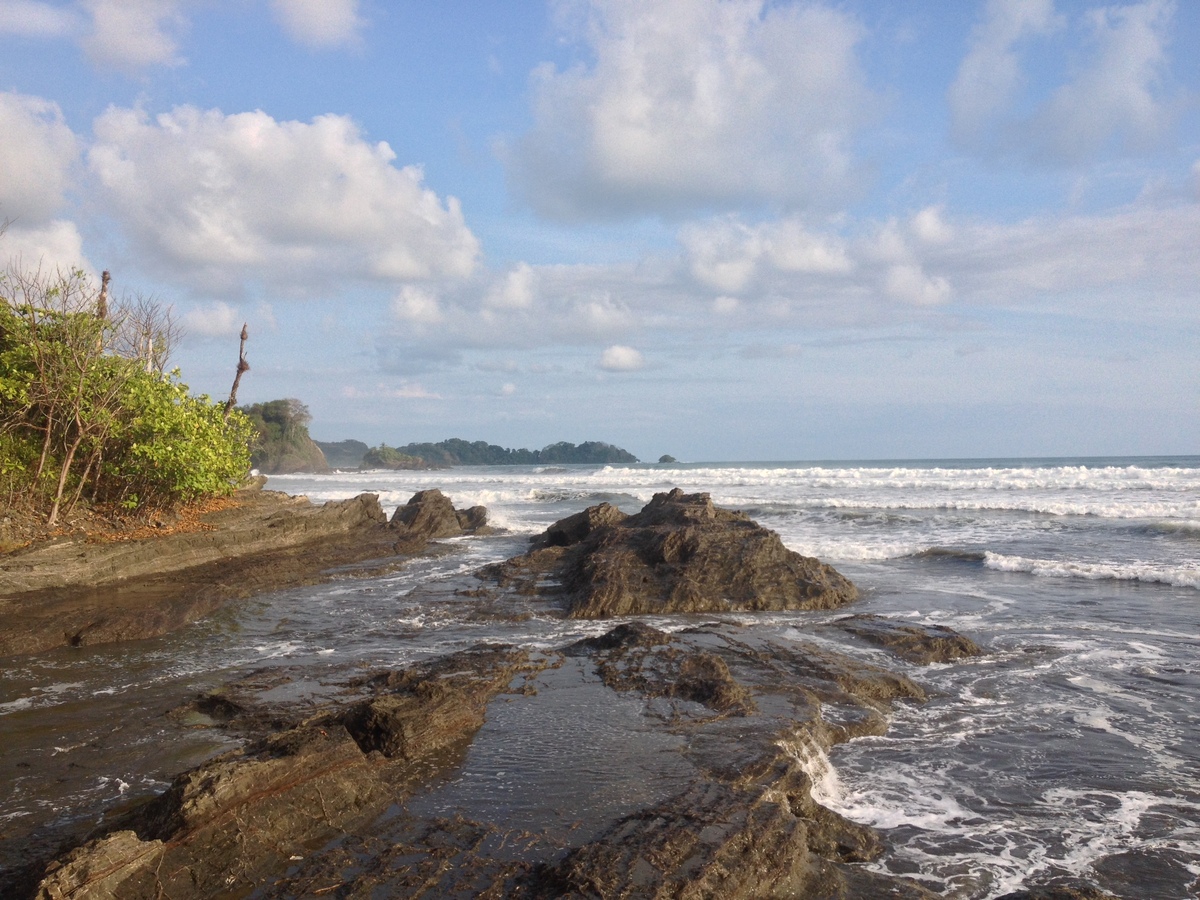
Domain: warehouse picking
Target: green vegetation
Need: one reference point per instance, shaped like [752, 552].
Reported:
[457, 452]
[385, 457]
[87, 412]
[283, 443]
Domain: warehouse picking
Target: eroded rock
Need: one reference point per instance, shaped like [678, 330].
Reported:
[917, 643]
[430, 515]
[680, 554]
[241, 819]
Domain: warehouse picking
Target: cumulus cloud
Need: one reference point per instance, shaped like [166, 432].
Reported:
[218, 197]
[406, 390]
[728, 255]
[695, 104]
[929, 226]
[516, 290]
[1115, 100]
[133, 34]
[38, 152]
[909, 283]
[319, 23]
[1116, 97]
[29, 18]
[217, 319]
[416, 306]
[55, 245]
[990, 74]
[619, 358]
[38, 156]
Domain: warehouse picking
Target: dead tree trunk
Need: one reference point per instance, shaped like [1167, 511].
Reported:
[242, 367]
[102, 300]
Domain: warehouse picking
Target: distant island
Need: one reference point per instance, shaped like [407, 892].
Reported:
[458, 452]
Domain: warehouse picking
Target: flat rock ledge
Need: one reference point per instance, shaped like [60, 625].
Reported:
[75, 593]
[680, 554]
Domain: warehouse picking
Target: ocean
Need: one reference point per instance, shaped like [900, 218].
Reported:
[1071, 748]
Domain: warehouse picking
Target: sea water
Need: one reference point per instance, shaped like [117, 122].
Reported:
[1070, 749]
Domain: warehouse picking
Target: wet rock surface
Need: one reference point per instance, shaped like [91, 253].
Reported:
[680, 554]
[346, 799]
[917, 643]
[641, 762]
[72, 593]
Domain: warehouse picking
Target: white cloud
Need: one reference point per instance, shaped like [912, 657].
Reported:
[37, 154]
[990, 73]
[1115, 97]
[618, 358]
[406, 390]
[728, 256]
[910, 284]
[1114, 100]
[319, 23]
[133, 34]
[54, 245]
[508, 389]
[417, 306]
[696, 104]
[29, 18]
[517, 290]
[218, 198]
[216, 319]
[929, 226]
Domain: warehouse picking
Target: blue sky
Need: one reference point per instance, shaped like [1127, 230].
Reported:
[720, 229]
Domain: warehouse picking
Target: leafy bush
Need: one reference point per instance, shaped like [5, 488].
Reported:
[86, 411]
[172, 447]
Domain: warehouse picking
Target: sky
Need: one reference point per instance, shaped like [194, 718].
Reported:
[717, 229]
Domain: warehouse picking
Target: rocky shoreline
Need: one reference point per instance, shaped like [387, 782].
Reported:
[71, 592]
[340, 798]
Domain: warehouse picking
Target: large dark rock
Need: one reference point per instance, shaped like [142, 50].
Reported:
[920, 644]
[430, 515]
[679, 554]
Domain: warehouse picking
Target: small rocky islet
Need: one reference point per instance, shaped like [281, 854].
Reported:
[335, 801]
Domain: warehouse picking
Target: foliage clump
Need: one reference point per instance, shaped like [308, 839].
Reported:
[282, 442]
[385, 457]
[457, 452]
[88, 412]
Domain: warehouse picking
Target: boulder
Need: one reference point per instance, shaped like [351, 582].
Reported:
[430, 515]
[680, 554]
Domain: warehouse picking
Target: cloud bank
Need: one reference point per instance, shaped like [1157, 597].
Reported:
[696, 104]
[212, 198]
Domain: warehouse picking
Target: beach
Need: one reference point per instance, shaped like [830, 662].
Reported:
[1066, 750]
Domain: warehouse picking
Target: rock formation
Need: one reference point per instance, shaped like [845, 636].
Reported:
[430, 515]
[920, 644]
[679, 554]
[326, 804]
[72, 592]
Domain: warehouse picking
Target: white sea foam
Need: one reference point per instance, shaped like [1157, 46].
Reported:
[1179, 576]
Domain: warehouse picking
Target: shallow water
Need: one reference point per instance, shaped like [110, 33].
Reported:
[1073, 747]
